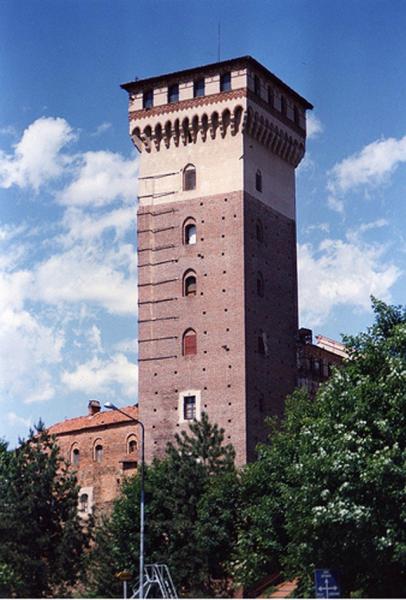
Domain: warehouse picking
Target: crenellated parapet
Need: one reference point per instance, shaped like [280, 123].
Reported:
[189, 129]
[184, 130]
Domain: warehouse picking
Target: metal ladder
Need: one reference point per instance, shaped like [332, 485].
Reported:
[156, 577]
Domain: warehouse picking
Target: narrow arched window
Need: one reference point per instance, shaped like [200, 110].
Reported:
[75, 456]
[132, 447]
[189, 284]
[189, 178]
[189, 342]
[189, 232]
[260, 284]
[84, 503]
[259, 230]
[98, 453]
[258, 181]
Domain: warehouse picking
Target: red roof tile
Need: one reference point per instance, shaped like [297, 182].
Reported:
[100, 419]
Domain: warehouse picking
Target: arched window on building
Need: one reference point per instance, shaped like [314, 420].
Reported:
[189, 284]
[189, 178]
[132, 446]
[259, 231]
[98, 452]
[75, 456]
[189, 343]
[258, 181]
[84, 503]
[189, 232]
[260, 284]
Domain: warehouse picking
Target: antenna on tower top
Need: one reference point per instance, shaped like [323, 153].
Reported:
[218, 41]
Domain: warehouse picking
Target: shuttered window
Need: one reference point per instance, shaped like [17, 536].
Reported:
[189, 343]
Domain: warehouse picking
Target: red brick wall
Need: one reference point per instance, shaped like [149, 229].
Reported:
[226, 314]
[216, 313]
[105, 477]
[270, 376]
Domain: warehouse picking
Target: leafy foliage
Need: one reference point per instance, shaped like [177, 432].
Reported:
[41, 533]
[183, 493]
[334, 477]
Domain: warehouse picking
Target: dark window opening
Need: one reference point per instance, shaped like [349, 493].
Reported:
[190, 286]
[260, 284]
[132, 446]
[84, 503]
[296, 116]
[98, 453]
[189, 178]
[189, 408]
[259, 230]
[271, 98]
[148, 99]
[190, 234]
[225, 82]
[258, 181]
[261, 345]
[173, 93]
[76, 456]
[189, 346]
[284, 108]
[257, 85]
[198, 88]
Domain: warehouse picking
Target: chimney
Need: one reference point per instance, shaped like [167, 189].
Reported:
[305, 336]
[93, 407]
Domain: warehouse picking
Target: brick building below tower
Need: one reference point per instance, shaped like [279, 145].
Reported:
[102, 447]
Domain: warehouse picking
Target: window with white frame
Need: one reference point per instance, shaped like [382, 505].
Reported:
[189, 406]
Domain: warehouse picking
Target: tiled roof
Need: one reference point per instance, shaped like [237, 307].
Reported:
[100, 419]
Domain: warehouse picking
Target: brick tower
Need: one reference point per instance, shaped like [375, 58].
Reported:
[218, 322]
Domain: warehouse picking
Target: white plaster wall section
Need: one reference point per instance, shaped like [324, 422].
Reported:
[217, 160]
[278, 178]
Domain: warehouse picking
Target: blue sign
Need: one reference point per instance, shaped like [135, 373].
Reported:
[326, 584]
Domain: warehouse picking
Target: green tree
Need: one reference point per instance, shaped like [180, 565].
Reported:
[338, 470]
[42, 538]
[179, 520]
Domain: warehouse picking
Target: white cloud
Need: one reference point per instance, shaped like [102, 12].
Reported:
[102, 128]
[81, 275]
[82, 225]
[313, 125]
[371, 166]
[44, 391]
[127, 345]
[373, 225]
[37, 157]
[102, 178]
[335, 204]
[341, 273]
[14, 419]
[99, 376]
[94, 338]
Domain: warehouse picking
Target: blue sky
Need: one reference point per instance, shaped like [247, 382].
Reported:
[68, 174]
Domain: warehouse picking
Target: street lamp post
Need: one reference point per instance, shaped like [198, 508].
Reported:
[111, 406]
